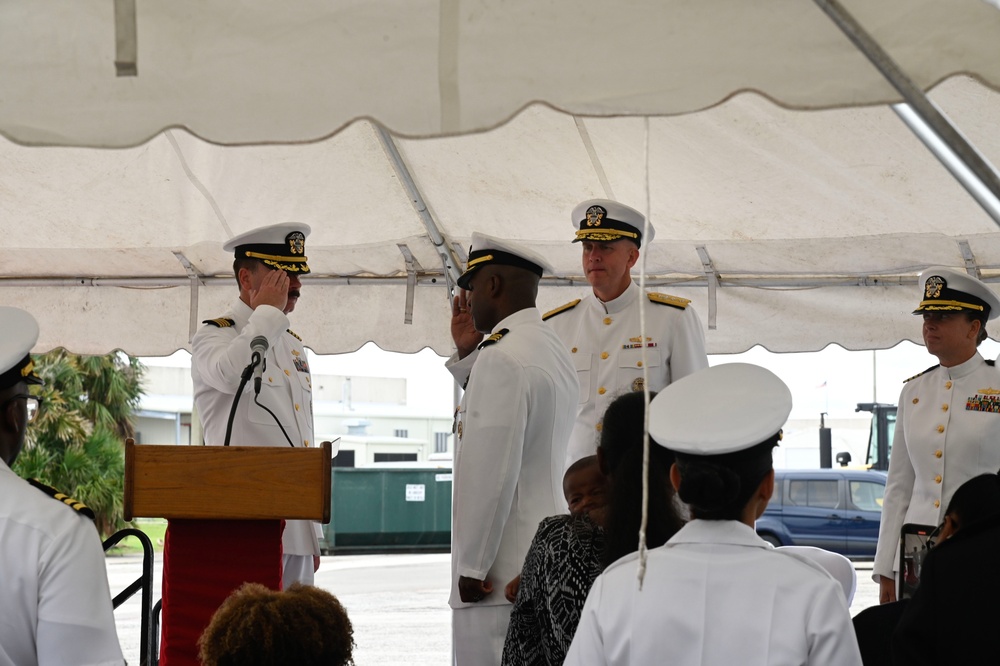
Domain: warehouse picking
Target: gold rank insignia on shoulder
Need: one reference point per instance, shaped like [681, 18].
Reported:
[493, 339]
[221, 322]
[919, 374]
[293, 334]
[65, 499]
[561, 309]
[667, 299]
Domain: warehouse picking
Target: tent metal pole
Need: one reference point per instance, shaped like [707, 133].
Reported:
[416, 198]
[950, 160]
[935, 121]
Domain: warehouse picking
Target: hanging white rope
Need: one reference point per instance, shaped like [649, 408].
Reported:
[641, 573]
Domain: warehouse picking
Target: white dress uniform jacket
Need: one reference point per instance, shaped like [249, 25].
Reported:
[219, 356]
[603, 339]
[55, 603]
[947, 431]
[716, 595]
[511, 432]
[604, 342]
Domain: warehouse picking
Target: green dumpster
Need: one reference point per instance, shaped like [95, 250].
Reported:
[389, 509]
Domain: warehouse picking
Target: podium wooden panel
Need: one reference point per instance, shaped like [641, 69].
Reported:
[225, 506]
[228, 482]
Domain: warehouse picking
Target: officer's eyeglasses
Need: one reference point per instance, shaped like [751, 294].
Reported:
[34, 404]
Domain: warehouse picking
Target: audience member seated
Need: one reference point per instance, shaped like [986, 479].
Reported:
[569, 552]
[256, 626]
[716, 594]
[953, 613]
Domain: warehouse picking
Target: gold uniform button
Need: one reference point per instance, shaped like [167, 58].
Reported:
[288, 373]
[573, 350]
[937, 479]
[604, 355]
[607, 321]
[937, 504]
[916, 400]
[938, 453]
[270, 379]
[306, 442]
[944, 408]
[602, 391]
[639, 364]
[598, 427]
[296, 408]
[947, 385]
[940, 428]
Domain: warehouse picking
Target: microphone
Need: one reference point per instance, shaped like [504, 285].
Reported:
[258, 349]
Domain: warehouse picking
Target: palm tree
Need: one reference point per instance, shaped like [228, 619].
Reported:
[77, 442]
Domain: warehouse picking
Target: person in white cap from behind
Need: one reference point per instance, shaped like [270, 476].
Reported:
[55, 603]
[268, 264]
[948, 418]
[716, 594]
[511, 431]
[601, 330]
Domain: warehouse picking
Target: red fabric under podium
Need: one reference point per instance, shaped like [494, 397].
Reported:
[203, 562]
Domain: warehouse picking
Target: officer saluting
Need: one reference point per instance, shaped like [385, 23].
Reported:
[602, 330]
[267, 265]
[948, 419]
[56, 604]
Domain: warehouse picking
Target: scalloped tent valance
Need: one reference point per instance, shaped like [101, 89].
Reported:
[793, 216]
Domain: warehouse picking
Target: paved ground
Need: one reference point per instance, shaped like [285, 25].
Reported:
[397, 603]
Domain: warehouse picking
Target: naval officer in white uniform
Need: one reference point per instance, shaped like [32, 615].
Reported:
[948, 419]
[511, 432]
[268, 263]
[602, 329]
[716, 594]
[55, 603]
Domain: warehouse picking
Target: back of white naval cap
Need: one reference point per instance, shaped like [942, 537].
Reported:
[721, 409]
[18, 334]
[486, 250]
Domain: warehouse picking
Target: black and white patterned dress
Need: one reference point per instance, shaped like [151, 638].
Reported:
[561, 565]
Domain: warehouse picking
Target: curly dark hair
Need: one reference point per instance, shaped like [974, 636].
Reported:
[257, 626]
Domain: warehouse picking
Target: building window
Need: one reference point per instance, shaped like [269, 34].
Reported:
[441, 442]
[395, 457]
[402, 432]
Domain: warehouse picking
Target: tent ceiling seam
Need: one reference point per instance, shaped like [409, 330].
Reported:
[194, 180]
[581, 128]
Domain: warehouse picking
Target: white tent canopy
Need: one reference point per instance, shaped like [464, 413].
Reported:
[787, 228]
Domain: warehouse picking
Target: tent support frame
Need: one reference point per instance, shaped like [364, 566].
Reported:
[448, 261]
[934, 126]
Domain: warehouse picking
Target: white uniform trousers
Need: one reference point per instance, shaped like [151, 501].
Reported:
[478, 633]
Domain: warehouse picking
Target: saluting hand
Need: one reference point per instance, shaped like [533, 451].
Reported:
[273, 290]
[463, 329]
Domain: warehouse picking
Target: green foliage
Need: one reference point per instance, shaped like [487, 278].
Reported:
[77, 442]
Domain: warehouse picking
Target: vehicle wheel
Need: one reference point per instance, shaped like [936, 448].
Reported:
[771, 539]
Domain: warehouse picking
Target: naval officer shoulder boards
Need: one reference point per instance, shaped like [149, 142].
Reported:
[65, 499]
[667, 299]
[493, 339]
[221, 322]
[559, 310]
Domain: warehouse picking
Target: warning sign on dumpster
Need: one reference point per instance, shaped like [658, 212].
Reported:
[414, 492]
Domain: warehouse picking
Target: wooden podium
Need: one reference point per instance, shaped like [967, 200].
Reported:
[225, 507]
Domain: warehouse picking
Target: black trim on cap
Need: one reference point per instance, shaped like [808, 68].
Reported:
[23, 371]
[480, 258]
